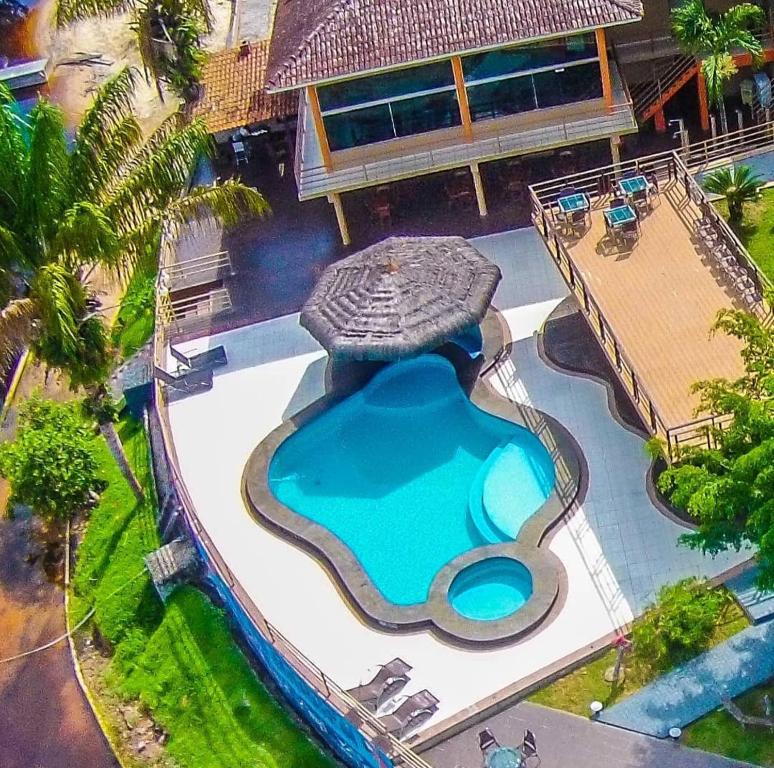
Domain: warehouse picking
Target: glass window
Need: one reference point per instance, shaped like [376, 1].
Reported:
[507, 61]
[504, 97]
[567, 85]
[360, 126]
[386, 86]
[425, 113]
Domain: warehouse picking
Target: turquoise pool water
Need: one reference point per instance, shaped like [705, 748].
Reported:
[490, 589]
[400, 472]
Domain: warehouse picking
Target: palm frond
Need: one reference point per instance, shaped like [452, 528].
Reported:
[59, 298]
[14, 157]
[228, 203]
[46, 187]
[718, 69]
[68, 11]
[12, 254]
[691, 26]
[17, 325]
[85, 237]
[93, 171]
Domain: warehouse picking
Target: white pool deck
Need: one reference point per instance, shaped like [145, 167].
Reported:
[617, 549]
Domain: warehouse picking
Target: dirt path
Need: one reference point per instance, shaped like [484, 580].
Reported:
[45, 722]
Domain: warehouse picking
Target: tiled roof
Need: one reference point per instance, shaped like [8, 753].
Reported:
[316, 40]
[233, 92]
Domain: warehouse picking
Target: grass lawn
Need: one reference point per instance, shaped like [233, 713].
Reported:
[133, 325]
[719, 732]
[757, 230]
[575, 691]
[179, 661]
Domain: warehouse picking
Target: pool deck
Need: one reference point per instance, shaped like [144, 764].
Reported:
[617, 548]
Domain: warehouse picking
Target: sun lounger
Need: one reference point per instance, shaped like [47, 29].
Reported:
[390, 678]
[414, 710]
[189, 381]
[211, 358]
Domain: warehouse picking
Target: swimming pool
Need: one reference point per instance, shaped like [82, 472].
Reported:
[408, 474]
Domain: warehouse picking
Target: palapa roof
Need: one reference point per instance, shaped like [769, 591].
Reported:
[233, 90]
[400, 298]
[316, 40]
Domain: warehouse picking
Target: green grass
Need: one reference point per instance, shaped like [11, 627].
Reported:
[575, 691]
[757, 230]
[179, 660]
[719, 732]
[133, 326]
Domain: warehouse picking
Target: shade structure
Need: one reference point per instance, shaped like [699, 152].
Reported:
[400, 298]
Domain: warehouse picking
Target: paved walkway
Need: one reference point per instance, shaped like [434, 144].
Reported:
[566, 740]
[700, 686]
[759, 606]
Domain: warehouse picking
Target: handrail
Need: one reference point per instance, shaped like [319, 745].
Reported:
[646, 96]
[729, 145]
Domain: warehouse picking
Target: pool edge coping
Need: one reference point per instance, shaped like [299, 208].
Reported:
[436, 613]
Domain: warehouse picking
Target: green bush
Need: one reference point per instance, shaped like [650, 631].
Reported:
[51, 464]
[679, 625]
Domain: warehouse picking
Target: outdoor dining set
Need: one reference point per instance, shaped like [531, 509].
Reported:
[633, 198]
[721, 252]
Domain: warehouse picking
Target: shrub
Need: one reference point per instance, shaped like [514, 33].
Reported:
[50, 465]
[679, 625]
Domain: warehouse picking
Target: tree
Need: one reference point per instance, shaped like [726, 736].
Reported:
[729, 489]
[738, 184]
[679, 625]
[714, 38]
[169, 34]
[101, 202]
[50, 464]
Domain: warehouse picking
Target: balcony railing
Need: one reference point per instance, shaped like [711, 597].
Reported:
[435, 151]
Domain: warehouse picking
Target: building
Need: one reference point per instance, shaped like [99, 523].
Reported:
[394, 90]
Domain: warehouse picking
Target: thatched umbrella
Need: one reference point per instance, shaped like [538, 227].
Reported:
[400, 298]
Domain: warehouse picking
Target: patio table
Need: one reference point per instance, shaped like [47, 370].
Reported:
[633, 185]
[620, 215]
[505, 757]
[573, 203]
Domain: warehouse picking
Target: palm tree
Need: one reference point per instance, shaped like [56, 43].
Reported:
[169, 34]
[738, 184]
[101, 202]
[714, 39]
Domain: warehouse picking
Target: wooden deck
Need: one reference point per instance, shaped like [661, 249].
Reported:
[660, 298]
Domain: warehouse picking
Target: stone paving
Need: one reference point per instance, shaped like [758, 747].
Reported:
[565, 740]
[759, 606]
[700, 686]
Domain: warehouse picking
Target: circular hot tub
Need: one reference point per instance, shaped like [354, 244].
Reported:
[490, 589]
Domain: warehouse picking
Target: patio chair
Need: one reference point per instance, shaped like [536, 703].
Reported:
[209, 359]
[240, 153]
[529, 749]
[388, 680]
[191, 382]
[630, 232]
[630, 174]
[415, 709]
[617, 201]
[567, 191]
[487, 741]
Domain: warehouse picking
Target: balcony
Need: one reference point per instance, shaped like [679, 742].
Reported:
[396, 159]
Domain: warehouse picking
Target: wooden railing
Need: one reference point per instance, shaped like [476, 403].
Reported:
[702, 155]
[666, 166]
[199, 270]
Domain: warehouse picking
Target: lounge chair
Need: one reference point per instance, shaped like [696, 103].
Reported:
[415, 709]
[487, 742]
[529, 748]
[188, 381]
[211, 358]
[390, 678]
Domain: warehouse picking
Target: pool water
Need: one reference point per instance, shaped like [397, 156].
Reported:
[392, 471]
[490, 589]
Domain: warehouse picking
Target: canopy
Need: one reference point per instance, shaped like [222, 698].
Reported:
[400, 298]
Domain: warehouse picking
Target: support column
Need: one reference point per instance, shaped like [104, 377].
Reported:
[704, 115]
[479, 186]
[604, 68]
[660, 121]
[319, 126]
[462, 98]
[335, 200]
[615, 153]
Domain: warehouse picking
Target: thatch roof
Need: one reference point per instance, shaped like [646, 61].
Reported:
[400, 298]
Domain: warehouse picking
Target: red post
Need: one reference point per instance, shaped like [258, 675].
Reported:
[660, 121]
[701, 85]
